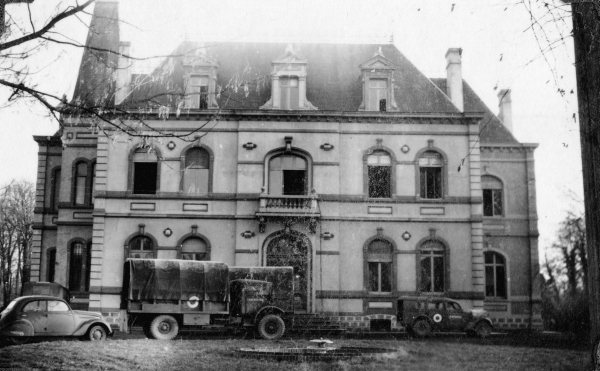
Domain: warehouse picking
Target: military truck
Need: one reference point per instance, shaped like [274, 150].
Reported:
[164, 295]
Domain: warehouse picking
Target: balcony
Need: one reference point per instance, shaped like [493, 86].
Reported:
[288, 208]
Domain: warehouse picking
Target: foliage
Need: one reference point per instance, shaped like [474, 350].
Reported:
[565, 295]
[16, 218]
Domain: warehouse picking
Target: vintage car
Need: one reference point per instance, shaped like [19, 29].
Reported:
[423, 314]
[49, 316]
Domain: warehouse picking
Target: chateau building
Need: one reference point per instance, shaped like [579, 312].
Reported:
[342, 160]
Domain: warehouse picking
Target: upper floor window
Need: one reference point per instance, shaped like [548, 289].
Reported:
[290, 98]
[55, 189]
[141, 247]
[379, 172]
[495, 275]
[492, 196]
[432, 265]
[378, 93]
[197, 93]
[196, 173]
[145, 171]
[92, 183]
[430, 175]
[194, 248]
[81, 183]
[288, 175]
[379, 266]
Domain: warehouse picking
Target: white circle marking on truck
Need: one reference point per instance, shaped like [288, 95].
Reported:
[193, 302]
[437, 318]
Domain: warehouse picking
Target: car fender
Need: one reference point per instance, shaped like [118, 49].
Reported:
[85, 326]
[267, 310]
[471, 325]
[19, 327]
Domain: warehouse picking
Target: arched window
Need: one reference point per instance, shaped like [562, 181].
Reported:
[196, 173]
[50, 264]
[431, 164]
[379, 266]
[288, 175]
[194, 248]
[495, 275]
[379, 172]
[55, 189]
[141, 247]
[432, 264]
[79, 266]
[145, 171]
[80, 179]
[492, 196]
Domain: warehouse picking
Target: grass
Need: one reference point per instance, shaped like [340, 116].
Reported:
[219, 354]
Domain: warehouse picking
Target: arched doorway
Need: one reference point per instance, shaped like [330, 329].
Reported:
[292, 249]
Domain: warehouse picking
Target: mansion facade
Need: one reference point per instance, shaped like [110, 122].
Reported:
[344, 161]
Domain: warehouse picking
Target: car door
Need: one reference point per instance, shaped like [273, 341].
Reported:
[61, 321]
[437, 313]
[35, 312]
[456, 316]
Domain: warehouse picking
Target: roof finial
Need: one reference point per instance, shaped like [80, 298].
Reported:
[289, 50]
[379, 52]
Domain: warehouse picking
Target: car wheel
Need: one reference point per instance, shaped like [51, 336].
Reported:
[164, 327]
[18, 340]
[483, 329]
[421, 328]
[271, 327]
[96, 333]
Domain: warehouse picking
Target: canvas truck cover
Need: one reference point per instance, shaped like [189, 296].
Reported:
[282, 279]
[162, 279]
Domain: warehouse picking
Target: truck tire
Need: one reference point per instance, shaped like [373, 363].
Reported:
[421, 328]
[164, 327]
[483, 329]
[271, 327]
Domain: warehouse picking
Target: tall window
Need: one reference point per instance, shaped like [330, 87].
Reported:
[196, 171]
[141, 247]
[495, 275]
[92, 183]
[432, 256]
[492, 196]
[51, 264]
[379, 262]
[81, 183]
[145, 171]
[194, 248]
[55, 189]
[288, 175]
[378, 92]
[198, 92]
[290, 98]
[379, 168]
[79, 266]
[430, 174]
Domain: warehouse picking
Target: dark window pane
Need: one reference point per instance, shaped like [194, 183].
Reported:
[382, 105]
[426, 273]
[294, 182]
[55, 189]
[386, 277]
[489, 257]
[144, 177]
[76, 267]
[497, 194]
[203, 97]
[500, 281]
[488, 209]
[431, 182]
[51, 265]
[438, 274]
[141, 243]
[373, 276]
[489, 281]
[379, 181]
[196, 157]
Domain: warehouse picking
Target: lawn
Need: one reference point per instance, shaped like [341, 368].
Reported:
[219, 354]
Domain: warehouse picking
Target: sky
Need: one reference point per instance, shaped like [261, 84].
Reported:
[500, 50]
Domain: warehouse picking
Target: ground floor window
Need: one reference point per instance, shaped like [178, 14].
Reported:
[79, 266]
[379, 266]
[495, 275]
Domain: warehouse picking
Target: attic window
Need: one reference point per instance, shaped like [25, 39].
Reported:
[378, 92]
[290, 98]
[197, 92]
[378, 84]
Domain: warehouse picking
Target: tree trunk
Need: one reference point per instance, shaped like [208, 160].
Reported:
[586, 34]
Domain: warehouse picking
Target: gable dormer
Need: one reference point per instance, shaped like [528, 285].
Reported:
[200, 80]
[288, 83]
[377, 75]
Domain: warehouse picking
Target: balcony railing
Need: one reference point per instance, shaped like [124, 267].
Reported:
[289, 205]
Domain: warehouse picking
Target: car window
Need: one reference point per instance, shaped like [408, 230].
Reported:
[35, 306]
[454, 307]
[432, 305]
[57, 306]
[439, 305]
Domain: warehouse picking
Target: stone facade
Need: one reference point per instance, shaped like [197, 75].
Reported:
[304, 180]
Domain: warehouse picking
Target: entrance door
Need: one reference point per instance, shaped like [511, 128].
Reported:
[292, 250]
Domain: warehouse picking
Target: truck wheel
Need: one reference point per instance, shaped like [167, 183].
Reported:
[271, 327]
[483, 329]
[164, 327]
[421, 328]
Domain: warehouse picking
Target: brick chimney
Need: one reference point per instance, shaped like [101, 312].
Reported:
[454, 83]
[505, 105]
[123, 73]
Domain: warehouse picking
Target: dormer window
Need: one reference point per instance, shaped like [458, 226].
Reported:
[197, 93]
[200, 80]
[378, 84]
[288, 83]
